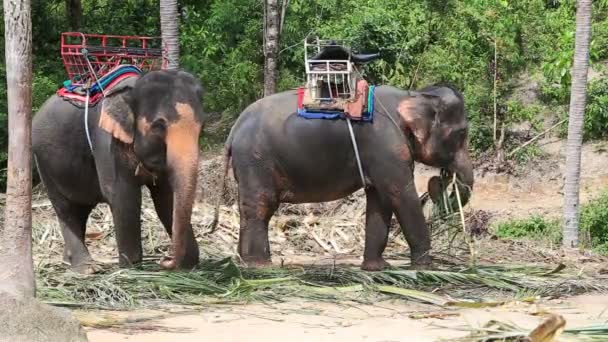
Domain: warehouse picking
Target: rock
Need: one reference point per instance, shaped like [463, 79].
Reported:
[24, 319]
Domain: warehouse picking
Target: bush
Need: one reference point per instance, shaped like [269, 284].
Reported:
[535, 227]
[594, 223]
[593, 226]
[529, 153]
[596, 113]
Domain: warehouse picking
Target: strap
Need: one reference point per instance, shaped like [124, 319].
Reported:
[352, 137]
[86, 119]
[86, 102]
[85, 54]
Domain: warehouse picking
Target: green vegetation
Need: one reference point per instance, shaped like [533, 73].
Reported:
[221, 280]
[593, 225]
[535, 227]
[422, 41]
[596, 117]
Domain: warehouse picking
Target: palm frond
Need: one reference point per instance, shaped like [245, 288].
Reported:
[223, 280]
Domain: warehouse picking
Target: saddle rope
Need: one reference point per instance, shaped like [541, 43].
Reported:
[86, 103]
[354, 141]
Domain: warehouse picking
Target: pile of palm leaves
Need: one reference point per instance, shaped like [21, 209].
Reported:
[552, 328]
[221, 280]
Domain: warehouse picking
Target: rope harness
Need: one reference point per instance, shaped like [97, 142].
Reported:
[86, 103]
[354, 141]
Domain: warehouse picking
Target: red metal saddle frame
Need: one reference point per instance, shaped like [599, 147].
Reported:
[105, 52]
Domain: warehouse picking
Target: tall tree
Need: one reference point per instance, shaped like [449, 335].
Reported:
[17, 266]
[272, 24]
[169, 27]
[73, 9]
[578, 99]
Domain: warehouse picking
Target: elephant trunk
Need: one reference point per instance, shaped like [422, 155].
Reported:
[463, 167]
[182, 161]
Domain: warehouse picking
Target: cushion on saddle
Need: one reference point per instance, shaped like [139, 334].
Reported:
[77, 95]
[367, 114]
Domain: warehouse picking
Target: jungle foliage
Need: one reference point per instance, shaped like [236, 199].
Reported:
[593, 226]
[422, 41]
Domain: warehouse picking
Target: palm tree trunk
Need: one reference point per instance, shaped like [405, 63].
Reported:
[271, 45]
[169, 27]
[578, 98]
[17, 266]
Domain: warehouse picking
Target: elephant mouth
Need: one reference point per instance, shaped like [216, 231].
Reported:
[154, 163]
[145, 171]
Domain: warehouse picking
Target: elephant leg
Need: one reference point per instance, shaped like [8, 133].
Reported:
[162, 196]
[378, 215]
[72, 219]
[126, 211]
[257, 204]
[408, 210]
[399, 187]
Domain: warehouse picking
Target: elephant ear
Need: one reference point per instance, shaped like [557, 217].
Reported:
[117, 116]
[419, 114]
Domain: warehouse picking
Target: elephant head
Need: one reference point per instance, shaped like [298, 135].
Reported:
[436, 121]
[160, 115]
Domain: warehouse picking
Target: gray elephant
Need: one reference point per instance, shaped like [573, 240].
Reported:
[279, 157]
[144, 132]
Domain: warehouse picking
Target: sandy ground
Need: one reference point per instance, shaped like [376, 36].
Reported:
[536, 191]
[309, 321]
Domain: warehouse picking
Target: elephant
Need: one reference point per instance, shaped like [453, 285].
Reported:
[278, 157]
[144, 132]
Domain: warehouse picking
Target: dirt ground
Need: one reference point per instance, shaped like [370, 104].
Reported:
[535, 190]
[309, 321]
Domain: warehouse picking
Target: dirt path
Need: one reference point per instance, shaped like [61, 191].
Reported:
[313, 321]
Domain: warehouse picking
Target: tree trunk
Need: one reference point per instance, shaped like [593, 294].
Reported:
[73, 9]
[578, 98]
[17, 267]
[169, 27]
[271, 45]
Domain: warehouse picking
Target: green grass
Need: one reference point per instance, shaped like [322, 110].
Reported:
[535, 227]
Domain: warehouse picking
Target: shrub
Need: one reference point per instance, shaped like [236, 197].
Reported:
[594, 223]
[593, 226]
[534, 227]
[596, 113]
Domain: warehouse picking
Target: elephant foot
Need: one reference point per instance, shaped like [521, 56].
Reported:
[374, 264]
[170, 263]
[422, 262]
[255, 262]
[125, 261]
[90, 267]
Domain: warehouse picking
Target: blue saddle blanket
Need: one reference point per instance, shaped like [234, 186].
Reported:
[367, 115]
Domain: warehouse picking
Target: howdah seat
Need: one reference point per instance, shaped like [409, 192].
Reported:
[334, 85]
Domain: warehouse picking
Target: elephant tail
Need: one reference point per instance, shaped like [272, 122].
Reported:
[227, 157]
